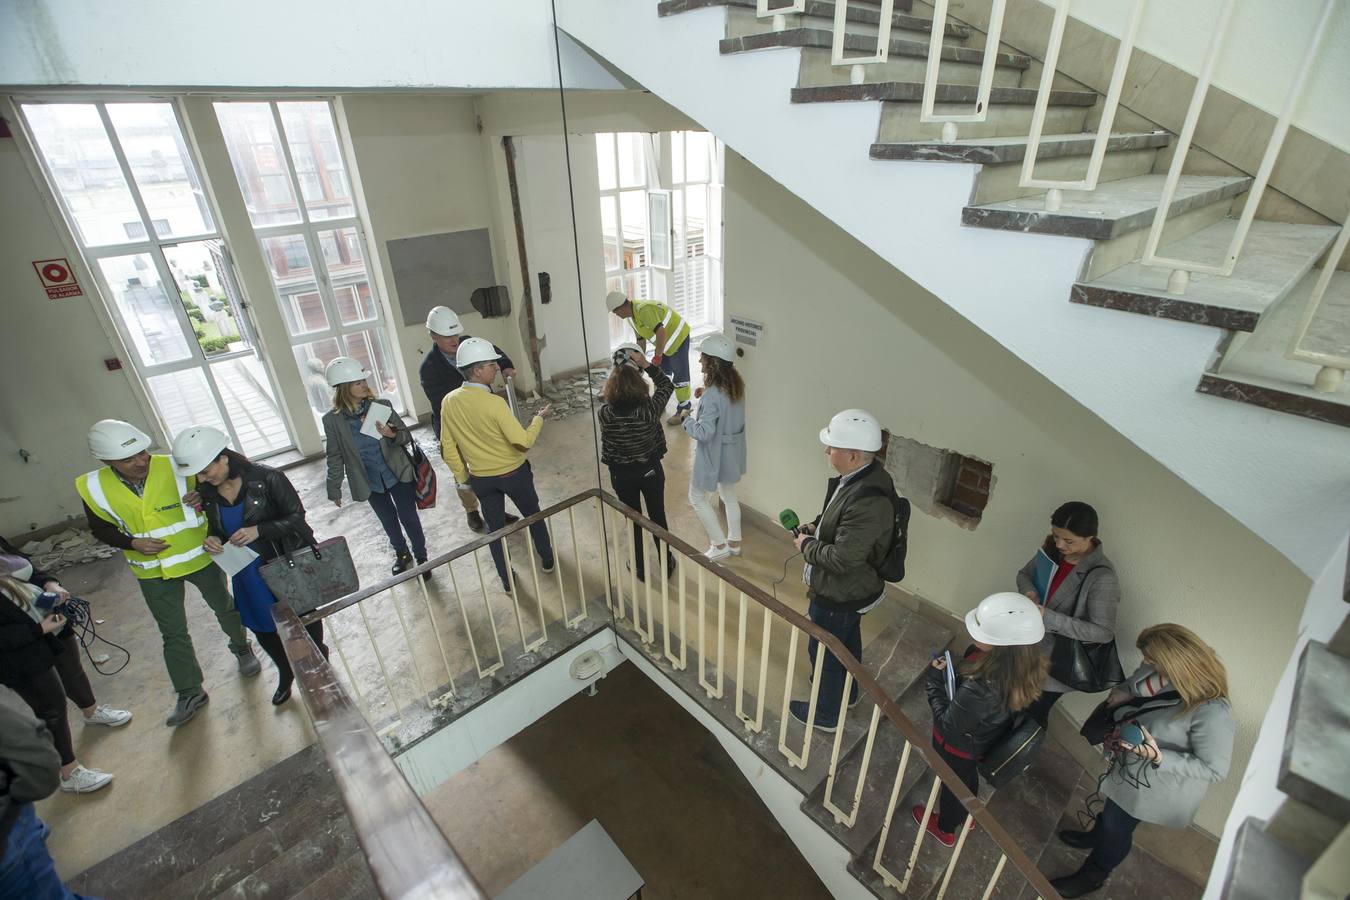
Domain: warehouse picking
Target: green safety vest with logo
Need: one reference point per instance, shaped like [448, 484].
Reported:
[158, 513]
[649, 315]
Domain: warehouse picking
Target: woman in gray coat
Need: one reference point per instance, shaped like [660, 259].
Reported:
[1184, 744]
[378, 470]
[1080, 587]
[719, 457]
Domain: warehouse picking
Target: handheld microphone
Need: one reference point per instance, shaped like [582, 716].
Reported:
[788, 519]
[1132, 734]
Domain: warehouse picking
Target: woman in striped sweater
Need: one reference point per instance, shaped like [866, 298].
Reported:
[632, 440]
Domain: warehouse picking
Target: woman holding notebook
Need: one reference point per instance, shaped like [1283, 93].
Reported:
[1075, 586]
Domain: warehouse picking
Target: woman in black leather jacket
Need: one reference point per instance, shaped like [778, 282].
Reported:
[1001, 674]
[255, 506]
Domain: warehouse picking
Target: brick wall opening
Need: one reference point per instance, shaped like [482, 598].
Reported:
[968, 492]
[941, 483]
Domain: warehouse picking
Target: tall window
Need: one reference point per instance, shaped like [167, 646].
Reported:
[661, 222]
[299, 199]
[128, 185]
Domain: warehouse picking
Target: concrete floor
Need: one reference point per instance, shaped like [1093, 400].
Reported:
[657, 781]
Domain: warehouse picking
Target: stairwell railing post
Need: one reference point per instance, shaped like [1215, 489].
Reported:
[883, 46]
[930, 77]
[1332, 373]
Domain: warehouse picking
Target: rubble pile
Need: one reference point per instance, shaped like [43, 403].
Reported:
[69, 548]
[569, 395]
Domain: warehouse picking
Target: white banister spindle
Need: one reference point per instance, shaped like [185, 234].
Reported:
[889, 819]
[1184, 268]
[930, 78]
[847, 819]
[1333, 367]
[778, 13]
[1103, 137]
[468, 629]
[883, 47]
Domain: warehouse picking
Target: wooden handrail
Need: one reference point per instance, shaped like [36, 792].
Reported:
[408, 855]
[918, 738]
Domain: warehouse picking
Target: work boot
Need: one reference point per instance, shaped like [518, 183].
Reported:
[426, 576]
[476, 522]
[1081, 883]
[681, 413]
[1082, 840]
[402, 563]
[248, 663]
[186, 708]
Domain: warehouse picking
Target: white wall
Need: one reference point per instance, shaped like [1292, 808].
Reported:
[833, 311]
[1267, 41]
[295, 44]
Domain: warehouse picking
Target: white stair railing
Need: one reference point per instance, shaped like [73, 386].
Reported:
[1182, 269]
[1332, 374]
[883, 47]
[930, 78]
[796, 7]
[1054, 188]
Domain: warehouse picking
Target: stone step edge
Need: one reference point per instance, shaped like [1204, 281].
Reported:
[1054, 146]
[1235, 389]
[912, 92]
[900, 18]
[1177, 308]
[817, 38]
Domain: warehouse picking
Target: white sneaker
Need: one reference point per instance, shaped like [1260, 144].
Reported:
[85, 781]
[715, 553]
[106, 715]
[734, 551]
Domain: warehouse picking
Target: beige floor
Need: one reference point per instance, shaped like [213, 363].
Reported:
[657, 781]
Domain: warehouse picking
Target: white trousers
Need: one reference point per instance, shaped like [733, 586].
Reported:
[704, 508]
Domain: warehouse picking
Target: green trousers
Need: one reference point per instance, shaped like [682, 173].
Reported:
[165, 598]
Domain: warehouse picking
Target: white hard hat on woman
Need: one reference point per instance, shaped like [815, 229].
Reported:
[853, 429]
[1006, 619]
[718, 345]
[344, 370]
[113, 439]
[196, 447]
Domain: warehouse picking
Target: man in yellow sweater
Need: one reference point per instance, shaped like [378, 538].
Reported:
[484, 446]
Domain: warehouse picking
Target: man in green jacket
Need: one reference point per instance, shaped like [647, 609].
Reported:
[842, 549]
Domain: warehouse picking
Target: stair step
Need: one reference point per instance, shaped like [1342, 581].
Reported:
[912, 92]
[819, 14]
[1261, 867]
[862, 44]
[301, 865]
[1315, 768]
[1275, 258]
[858, 10]
[999, 150]
[348, 879]
[1114, 209]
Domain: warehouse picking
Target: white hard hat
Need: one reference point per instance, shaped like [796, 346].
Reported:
[474, 350]
[853, 429]
[113, 439]
[1006, 620]
[342, 370]
[196, 447]
[620, 354]
[443, 321]
[615, 299]
[719, 345]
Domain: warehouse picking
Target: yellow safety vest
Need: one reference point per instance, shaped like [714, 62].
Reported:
[158, 513]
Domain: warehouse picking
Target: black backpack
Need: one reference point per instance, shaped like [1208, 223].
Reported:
[892, 565]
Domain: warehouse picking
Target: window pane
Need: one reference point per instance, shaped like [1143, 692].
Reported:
[184, 398]
[151, 320]
[633, 214]
[677, 157]
[347, 273]
[250, 405]
[695, 219]
[293, 274]
[76, 149]
[609, 231]
[318, 162]
[713, 227]
[196, 269]
[312, 358]
[698, 153]
[604, 152]
[632, 161]
[158, 157]
[370, 350]
[259, 164]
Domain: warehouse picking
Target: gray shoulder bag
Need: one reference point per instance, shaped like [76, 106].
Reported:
[313, 575]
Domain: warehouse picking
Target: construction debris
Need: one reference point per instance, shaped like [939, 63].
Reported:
[69, 548]
[569, 396]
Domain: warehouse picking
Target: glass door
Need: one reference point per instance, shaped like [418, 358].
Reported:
[299, 199]
[129, 187]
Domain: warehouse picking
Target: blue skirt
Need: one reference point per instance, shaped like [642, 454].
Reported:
[252, 597]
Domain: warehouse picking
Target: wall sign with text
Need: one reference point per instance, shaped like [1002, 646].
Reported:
[746, 331]
[57, 278]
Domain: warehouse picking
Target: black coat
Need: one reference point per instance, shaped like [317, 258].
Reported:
[270, 503]
[439, 378]
[24, 650]
[972, 720]
[38, 579]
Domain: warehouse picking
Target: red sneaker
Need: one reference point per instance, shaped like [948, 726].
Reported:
[946, 838]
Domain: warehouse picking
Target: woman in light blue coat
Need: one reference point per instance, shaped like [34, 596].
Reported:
[719, 457]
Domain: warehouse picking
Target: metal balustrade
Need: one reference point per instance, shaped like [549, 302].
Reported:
[605, 559]
[950, 121]
[883, 45]
[1333, 365]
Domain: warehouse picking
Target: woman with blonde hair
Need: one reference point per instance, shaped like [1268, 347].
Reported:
[1001, 674]
[378, 470]
[1160, 774]
[719, 457]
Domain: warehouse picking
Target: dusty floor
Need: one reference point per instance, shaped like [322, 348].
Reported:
[657, 781]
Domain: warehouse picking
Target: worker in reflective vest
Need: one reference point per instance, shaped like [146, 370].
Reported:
[135, 502]
[669, 334]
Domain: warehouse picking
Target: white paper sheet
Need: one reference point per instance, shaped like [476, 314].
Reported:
[233, 560]
[377, 414]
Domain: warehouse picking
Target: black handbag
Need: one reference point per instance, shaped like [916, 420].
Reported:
[1090, 668]
[1013, 753]
[313, 575]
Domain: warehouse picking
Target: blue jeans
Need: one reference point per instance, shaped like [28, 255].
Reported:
[492, 491]
[26, 870]
[1114, 834]
[399, 504]
[847, 626]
